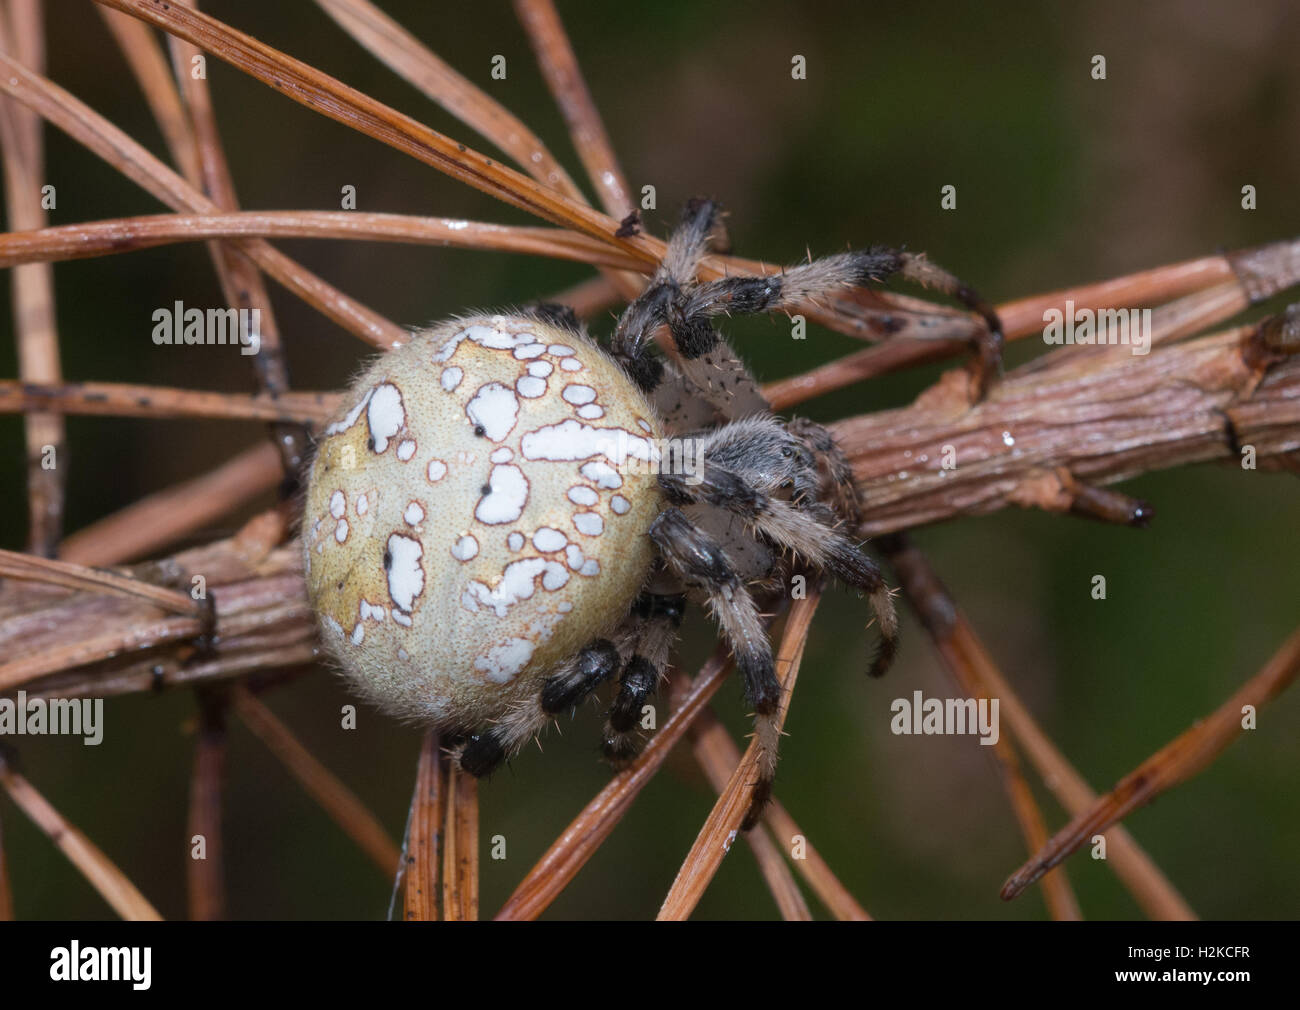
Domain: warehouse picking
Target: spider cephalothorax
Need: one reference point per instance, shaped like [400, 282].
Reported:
[504, 516]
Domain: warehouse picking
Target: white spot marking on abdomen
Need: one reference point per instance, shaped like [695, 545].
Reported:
[531, 387]
[502, 662]
[405, 574]
[486, 336]
[494, 407]
[547, 540]
[341, 426]
[589, 524]
[465, 549]
[385, 415]
[517, 583]
[601, 474]
[580, 494]
[572, 440]
[506, 497]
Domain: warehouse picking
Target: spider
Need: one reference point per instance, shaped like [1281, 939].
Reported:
[503, 516]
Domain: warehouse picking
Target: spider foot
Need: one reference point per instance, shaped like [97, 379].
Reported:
[758, 801]
[986, 360]
[986, 363]
[481, 754]
[767, 739]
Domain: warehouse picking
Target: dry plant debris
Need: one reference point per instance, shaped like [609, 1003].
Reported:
[76, 620]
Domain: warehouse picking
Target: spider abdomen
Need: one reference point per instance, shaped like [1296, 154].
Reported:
[477, 512]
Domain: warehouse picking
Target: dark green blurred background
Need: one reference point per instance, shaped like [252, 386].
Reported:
[1061, 179]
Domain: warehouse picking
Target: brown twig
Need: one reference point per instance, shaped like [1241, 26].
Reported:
[104, 876]
[588, 831]
[142, 636]
[332, 98]
[1024, 317]
[122, 235]
[710, 735]
[918, 578]
[162, 518]
[321, 784]
[415, 63]
[149, 65]
[1062, 904]
[1103, 418]
[845, 312]
[780, 881]
[1185, 756]
[204, 874]
[723, 823]
[255, 655]
[563, 76]
[865, 314]
[242, 284]
[718, 762]
[954, 636]
[262, 622]
[72, 576]
[22, 36]
[460, 846]
[114, 399]
[90, 129]
[812, 867]
[1149, 414]
[420, 893]
[263, 634]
